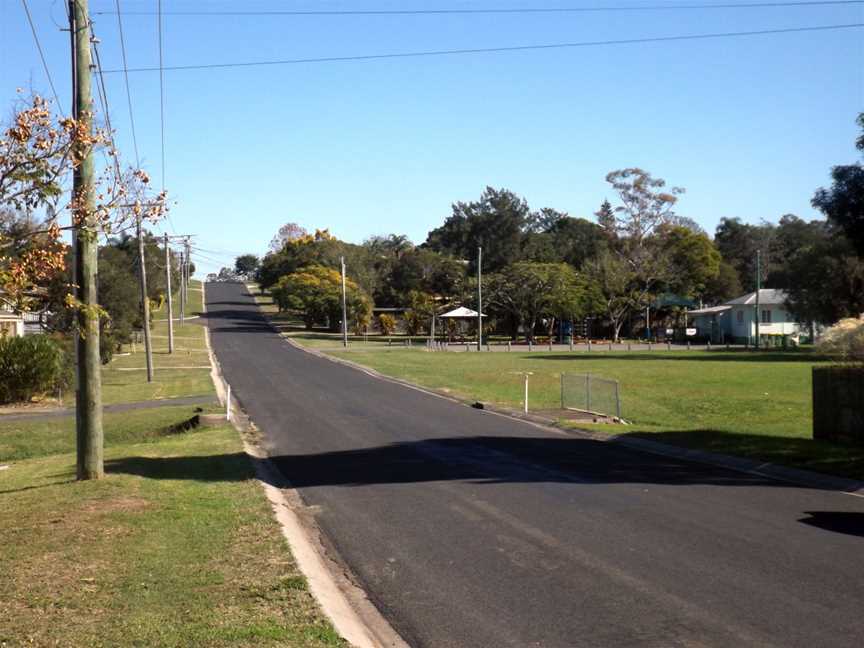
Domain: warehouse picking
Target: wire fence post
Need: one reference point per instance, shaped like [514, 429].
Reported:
[228, 404]
[588, 391]
[617, 401]
[562, 390]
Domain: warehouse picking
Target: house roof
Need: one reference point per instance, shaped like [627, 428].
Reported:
[766, 296]
[712, 310]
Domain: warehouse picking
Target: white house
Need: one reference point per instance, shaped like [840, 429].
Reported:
[735, 321]
[11, 324]
[15, 323]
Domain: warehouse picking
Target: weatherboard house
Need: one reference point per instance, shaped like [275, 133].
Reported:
[735, 321]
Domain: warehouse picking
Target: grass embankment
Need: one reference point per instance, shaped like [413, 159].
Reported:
[176, 547]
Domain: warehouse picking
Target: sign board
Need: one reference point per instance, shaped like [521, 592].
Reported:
[691, 332]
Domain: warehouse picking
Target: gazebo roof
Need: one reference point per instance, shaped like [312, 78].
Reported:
[461, 312]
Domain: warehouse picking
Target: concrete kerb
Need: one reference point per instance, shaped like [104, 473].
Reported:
[345, 604]
[738, 464]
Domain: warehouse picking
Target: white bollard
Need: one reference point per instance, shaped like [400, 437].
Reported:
[526, 393]
[228, 404]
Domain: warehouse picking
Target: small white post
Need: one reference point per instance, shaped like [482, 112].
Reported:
[526, 393]
[228, 404]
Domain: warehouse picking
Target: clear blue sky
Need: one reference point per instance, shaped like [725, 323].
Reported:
[749, 126]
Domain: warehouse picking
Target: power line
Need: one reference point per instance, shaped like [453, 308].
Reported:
[128, 91]
[161, 104]
[42, 55]
[517, 10]
[161, 91]
[489, 50]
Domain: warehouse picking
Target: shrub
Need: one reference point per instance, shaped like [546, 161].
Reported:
[386, 324]
[845, 339]
[30, 366]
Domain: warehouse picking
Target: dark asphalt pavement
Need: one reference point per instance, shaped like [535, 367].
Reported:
[470, 529]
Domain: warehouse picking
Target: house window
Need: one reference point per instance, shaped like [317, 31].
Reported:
[740, 316]
[766, 316]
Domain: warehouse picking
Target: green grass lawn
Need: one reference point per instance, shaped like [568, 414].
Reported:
[177, 546]
[747, 404]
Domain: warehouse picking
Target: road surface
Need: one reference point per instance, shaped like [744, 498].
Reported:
[470, 529]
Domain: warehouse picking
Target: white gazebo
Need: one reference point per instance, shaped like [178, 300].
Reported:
[461, 313]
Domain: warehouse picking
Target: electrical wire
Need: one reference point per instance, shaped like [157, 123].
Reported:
[515, 10]
[42, 55]
[126, 75]
[161, 91]
[489, 50]
[161, 104]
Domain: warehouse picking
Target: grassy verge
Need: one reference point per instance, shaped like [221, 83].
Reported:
[746, 404]
[176, 547]
[124, 380]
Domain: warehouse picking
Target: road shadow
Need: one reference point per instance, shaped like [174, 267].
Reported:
[478, 459]
[849, 523]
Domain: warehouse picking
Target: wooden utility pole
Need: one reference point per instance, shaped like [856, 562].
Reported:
[88, 410]
[344, 307]
[145, 301]
[170, 300]
[182, 288]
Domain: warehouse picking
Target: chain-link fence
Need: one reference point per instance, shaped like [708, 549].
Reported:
[590, 394]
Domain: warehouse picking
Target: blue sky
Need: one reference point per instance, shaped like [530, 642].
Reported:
[749, 126]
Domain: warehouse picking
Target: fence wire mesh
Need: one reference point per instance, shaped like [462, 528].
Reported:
[590, 393]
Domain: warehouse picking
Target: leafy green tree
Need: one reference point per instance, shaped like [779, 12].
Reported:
[725, 285]
[738, 243]
[828, 277]
[694, 259]
[843, 203]
[606, 217]
[576, 240]
[246, 264]
[618, 286]
[496, 222]
[528, 292]
[315, 292]
[419, 315]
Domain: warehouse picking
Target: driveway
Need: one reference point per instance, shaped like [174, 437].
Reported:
[470, 529]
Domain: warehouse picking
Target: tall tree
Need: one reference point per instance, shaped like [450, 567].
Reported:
[246, 264]
[694, 260]
[496, 222]
[738, 243]
[529, 292]
[828, 277]
[843, 203]
[287, 233]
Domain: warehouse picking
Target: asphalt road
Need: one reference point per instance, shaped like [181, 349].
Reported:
[470, 529]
